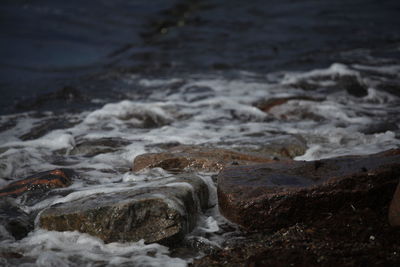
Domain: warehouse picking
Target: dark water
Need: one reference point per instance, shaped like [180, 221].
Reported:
[61, 54]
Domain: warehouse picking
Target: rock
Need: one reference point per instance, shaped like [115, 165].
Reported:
[194, 158]
[43, 127]
[379, 127]
[284, 146]
[394, 208]
[267, 104]
[296, 111]
[274, 195]
[159, 214]
[90, 148]
[352, 85]
[14, 221]
[38, 183]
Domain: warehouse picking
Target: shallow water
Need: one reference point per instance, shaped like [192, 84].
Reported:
[346, 100]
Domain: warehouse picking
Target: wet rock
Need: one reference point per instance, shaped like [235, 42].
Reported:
[392, 87]
[10, 255]
[91, 148]
[352, 85]
[379, 127]
[45, 126]
[281, 147]
[161, 214]
[38, 183]
[267, 104]
[394, 209]
[7, 124]
[13, 221]
[274, 195]
[194, 158]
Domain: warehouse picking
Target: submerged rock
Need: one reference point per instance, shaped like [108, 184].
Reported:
[90, 148]
[280, 194]
[160, 214]
[352, 85]
[38, 183]
[13, 221]
[194, 158]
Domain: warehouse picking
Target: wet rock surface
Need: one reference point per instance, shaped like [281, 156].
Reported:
[337, 219]
[38, 183]
[274, 195]
[194, 158]
[267, 104]
[94, 147]
[349, 237]
[160, 214]
[282, 147]
[13, 221]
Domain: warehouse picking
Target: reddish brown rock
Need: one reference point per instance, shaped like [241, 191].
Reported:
[273, 195]
[43, 181]
[194, 158]
[394, 209]
[267, 104]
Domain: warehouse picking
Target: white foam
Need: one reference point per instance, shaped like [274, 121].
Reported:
[71, 248]
[334, 69]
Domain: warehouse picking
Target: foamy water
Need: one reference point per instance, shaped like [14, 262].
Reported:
[198, 109]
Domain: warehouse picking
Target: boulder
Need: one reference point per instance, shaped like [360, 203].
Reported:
[194, 158]
[274, 195]
[38, 183]
[162, 214]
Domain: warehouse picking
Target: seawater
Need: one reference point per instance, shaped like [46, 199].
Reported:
[198, 109]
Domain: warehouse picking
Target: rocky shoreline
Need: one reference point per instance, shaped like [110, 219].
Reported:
[290, 213]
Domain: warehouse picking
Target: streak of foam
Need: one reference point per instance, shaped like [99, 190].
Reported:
[51, 248]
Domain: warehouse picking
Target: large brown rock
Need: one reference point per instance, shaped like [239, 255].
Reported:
[159, 214]
[279, 194]
[194, 158]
